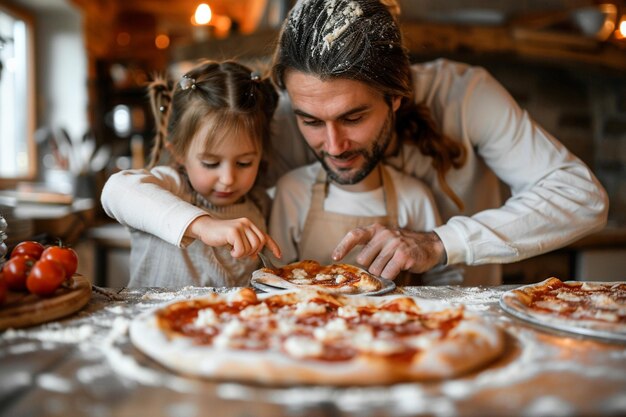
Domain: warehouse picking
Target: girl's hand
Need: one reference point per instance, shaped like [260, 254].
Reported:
[245, 238]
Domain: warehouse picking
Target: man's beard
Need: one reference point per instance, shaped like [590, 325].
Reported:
[372, 157]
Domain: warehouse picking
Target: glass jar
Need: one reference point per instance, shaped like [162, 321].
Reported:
[3, 237]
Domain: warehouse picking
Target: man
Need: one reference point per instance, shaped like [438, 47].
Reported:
[316, 205]
[455, 128]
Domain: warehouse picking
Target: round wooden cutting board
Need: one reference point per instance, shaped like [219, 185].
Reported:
[25, 309]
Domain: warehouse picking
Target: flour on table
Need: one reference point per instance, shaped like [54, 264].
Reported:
[22, 348]
[17, 379]
[476, 295]
[615, 405]
[118, 309]
[56, 383]
[182, 293]
[91, 373]
[399, 399]
[161, 296]
[549, 407]
[184, 409]
[127, 366]
[52, 333]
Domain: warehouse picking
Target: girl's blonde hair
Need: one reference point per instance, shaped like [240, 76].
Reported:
[227, 95]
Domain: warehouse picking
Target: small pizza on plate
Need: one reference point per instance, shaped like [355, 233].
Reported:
[588, 308]
[337, 278]
[316, 337]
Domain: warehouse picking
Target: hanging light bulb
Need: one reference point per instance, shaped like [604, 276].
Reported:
[202, 16]
[162, 41]
[621, 31]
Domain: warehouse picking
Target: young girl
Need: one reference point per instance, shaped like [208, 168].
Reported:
[199, 220]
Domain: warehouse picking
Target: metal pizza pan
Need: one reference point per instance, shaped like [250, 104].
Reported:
[518, 310]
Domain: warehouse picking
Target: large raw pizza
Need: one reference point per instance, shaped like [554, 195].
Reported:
[337, 278]
[316, 337]
[588, 308]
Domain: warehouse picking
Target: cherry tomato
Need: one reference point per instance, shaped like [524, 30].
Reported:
[45, 277]
[29, 248]
[63, 255]
[3, 289]
[16, 270]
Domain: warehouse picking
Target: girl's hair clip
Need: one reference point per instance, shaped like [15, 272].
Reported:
[255, 76]
[187, 82]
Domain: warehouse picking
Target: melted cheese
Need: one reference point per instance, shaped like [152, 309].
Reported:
[390, 317]
[566, 296]
[347, 311]
[334, 329]
[299, 273]
[340, 279]
[606, 316]
[604, 301]
[256, 310]
[229, 333]
[306, 309]
[586, 286]
[323, 277]
[286, 326]
[551, 305]
[206, 317]
[302, 347]
[361, 337]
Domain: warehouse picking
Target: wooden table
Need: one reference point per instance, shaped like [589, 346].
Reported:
[85, 365]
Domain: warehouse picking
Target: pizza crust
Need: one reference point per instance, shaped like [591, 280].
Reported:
[472, 344]
[526, 294]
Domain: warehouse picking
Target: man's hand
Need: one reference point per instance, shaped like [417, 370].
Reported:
[388, 252]
[245, 238]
